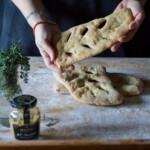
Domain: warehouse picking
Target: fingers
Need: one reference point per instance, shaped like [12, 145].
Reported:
[115, 46]
[128, 37]
[137, 21]
[55, 68]
[49, 49]
[123, 39]
[71, 67]
[48, 62]
[133, 27]
[48, 55]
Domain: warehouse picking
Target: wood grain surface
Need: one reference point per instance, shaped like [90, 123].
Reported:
[77, 124]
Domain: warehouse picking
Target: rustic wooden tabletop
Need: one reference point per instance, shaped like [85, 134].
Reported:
[78, 125]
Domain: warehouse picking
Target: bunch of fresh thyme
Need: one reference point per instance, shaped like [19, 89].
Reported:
[10, 59]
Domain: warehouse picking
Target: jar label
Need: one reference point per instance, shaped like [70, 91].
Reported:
[26, 132]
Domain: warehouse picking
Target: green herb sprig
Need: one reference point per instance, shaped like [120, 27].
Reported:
[10, 59]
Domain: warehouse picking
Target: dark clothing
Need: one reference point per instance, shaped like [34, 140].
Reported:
[67, 13]
[15, 28]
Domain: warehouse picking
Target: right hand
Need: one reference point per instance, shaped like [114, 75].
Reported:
[43, 39]
[138, 17]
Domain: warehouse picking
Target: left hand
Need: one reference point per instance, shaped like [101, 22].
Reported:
[138, 14]
[43, 39]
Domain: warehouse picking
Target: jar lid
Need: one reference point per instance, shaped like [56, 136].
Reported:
[23, 101]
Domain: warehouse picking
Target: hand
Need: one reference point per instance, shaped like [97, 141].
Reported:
[43, 38]
[138, 14]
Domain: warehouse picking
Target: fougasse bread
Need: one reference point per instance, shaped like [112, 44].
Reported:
[127, 85]
[90, 85]
[89, 39]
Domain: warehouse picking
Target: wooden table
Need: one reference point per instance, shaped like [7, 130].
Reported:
[78, 125]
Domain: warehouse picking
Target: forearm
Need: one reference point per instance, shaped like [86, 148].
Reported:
[33, 10]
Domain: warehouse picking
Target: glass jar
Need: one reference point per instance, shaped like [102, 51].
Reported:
[24, 118]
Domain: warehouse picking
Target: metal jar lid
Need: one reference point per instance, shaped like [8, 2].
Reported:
[23, 101]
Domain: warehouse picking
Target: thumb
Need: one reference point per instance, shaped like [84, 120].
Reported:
[137, 21]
